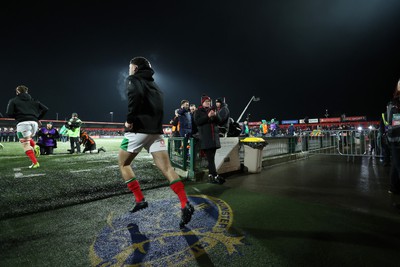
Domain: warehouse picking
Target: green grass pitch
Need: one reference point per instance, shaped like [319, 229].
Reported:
[64, 179]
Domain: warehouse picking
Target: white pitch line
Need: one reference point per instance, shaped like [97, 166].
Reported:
[92, 161]
[21, 175]
[17, 169]
[88, 170]
[112, 167]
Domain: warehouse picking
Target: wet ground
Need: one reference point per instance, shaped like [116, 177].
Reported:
[320, 211]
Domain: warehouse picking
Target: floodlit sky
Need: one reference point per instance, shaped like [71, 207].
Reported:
[301, 57]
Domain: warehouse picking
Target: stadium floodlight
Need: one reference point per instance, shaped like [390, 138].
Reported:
[253, 98]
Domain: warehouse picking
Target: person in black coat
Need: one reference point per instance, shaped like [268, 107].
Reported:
[207, 122]
[223, 115]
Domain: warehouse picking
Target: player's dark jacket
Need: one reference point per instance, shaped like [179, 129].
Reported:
[24, 108]
[145, 103]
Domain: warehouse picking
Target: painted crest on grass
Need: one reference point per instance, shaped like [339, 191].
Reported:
[152, 236]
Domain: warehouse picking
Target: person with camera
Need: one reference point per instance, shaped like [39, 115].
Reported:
[207, 123]
[74, 129]
[47, 139]
[89, 145]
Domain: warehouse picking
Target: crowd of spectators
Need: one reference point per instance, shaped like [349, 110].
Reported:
[285, 130]
[8, 134]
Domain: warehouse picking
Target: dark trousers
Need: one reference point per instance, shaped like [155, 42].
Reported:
[46, 150]
[210, 154]
[74, 141]
[395, 168]
[385, 150]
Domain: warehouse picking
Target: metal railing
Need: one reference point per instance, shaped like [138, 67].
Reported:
[351, 143]
[185, 154]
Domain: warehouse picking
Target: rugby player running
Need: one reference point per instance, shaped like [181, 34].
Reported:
[143, 130]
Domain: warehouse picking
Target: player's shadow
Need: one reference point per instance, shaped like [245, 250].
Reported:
[203, 259]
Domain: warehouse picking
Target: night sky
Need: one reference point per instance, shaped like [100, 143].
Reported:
[301, 57]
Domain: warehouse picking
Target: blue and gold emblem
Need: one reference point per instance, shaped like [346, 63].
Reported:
[152, 237]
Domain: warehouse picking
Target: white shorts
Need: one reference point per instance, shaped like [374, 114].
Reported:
[134, 142]
[27, 129]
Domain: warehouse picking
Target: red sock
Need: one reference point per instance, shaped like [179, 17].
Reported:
[31, 155]
[32, 143]
[179, 189]
[135, 188]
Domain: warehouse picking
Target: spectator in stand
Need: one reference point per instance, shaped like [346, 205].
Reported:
[28, 112]
[5, 135]
[264, 128]
[89, 144]
[207, 122]
[291, 130]
[64, 133]
[383, 141]
[185, 119]
[273, 128]
[175, 124]
[175, 130]
[245, 129]
[292, 139]
[193, 108]
[223, 116]
[47, 139]
[372, 139]
[74, 129]
[11, 135]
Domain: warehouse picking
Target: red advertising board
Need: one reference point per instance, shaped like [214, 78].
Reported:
[329, 119]
[355, 118]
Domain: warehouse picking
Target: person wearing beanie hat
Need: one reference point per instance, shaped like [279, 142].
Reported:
[223, 114]
[204, 98]
[219, 100]
[207, 122]
[144, 130]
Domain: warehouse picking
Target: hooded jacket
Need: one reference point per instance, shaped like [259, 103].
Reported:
[145, 102]
[24, 108]
[223, 115]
